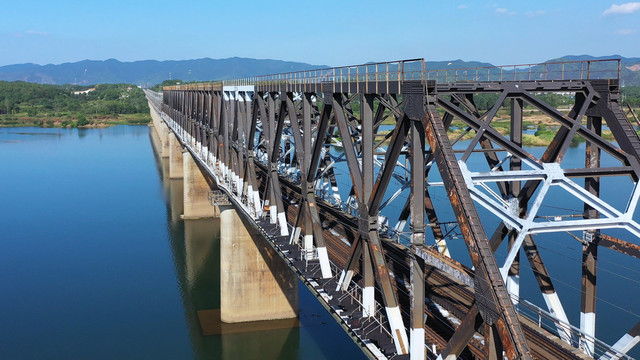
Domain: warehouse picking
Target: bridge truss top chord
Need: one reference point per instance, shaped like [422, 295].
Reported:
[321, 154]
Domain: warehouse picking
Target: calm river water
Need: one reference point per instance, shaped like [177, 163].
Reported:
[95, 263]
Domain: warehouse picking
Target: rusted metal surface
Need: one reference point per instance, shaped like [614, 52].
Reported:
[619, 245]
[496, 303]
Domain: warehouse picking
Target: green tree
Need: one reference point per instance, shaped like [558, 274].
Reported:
[631, 95]
[82, 120]
[158, 87]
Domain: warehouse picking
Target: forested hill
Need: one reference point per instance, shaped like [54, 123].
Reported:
[23, 103]
[104, 99]
[150, 72]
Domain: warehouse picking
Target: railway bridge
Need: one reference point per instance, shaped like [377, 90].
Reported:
[404, 199]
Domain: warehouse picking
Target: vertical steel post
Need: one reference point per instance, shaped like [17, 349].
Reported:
[414, 109]
[590, 249]
[513, 279]
[366, 110]
[417, 182]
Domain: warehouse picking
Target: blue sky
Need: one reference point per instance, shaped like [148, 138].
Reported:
[318, 32]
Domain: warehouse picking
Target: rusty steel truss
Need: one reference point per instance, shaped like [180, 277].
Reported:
[278, 145]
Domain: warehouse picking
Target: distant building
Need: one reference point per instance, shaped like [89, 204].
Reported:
[84, 91]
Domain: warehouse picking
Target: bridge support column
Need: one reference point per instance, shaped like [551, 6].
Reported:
[196, 191]
[175, 192]
[176, 161]
[255, 284]
[162, 130]
[155, 140]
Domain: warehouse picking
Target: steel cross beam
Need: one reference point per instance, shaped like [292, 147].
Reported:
[492, 298]
[600, 215]
[307, 209]
[368, 241]
[510, 191]
[272, 134]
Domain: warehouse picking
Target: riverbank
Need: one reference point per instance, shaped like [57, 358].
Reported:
[95, 121]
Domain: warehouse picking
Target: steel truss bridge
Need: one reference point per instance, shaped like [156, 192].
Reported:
[316, 158]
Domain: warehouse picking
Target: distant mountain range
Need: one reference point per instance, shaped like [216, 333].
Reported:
[630, 67]
[147, 72]
[150, 72]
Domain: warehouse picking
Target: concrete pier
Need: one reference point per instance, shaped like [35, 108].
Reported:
[175, 158]
[255, 283]
[162, 131]
[175, 193]
[196, 191]
[156, 143]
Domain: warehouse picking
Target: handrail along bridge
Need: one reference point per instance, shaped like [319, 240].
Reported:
[313, 158]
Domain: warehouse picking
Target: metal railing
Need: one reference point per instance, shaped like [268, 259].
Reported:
[155, 99]
[570, 70]
[209, 85]
[546, 321]
[381, 77]
[378, 77]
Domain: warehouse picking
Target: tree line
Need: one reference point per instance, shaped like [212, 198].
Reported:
[56, 100]
[113, 99]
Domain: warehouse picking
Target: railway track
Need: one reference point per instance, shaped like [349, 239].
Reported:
[441, 288]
